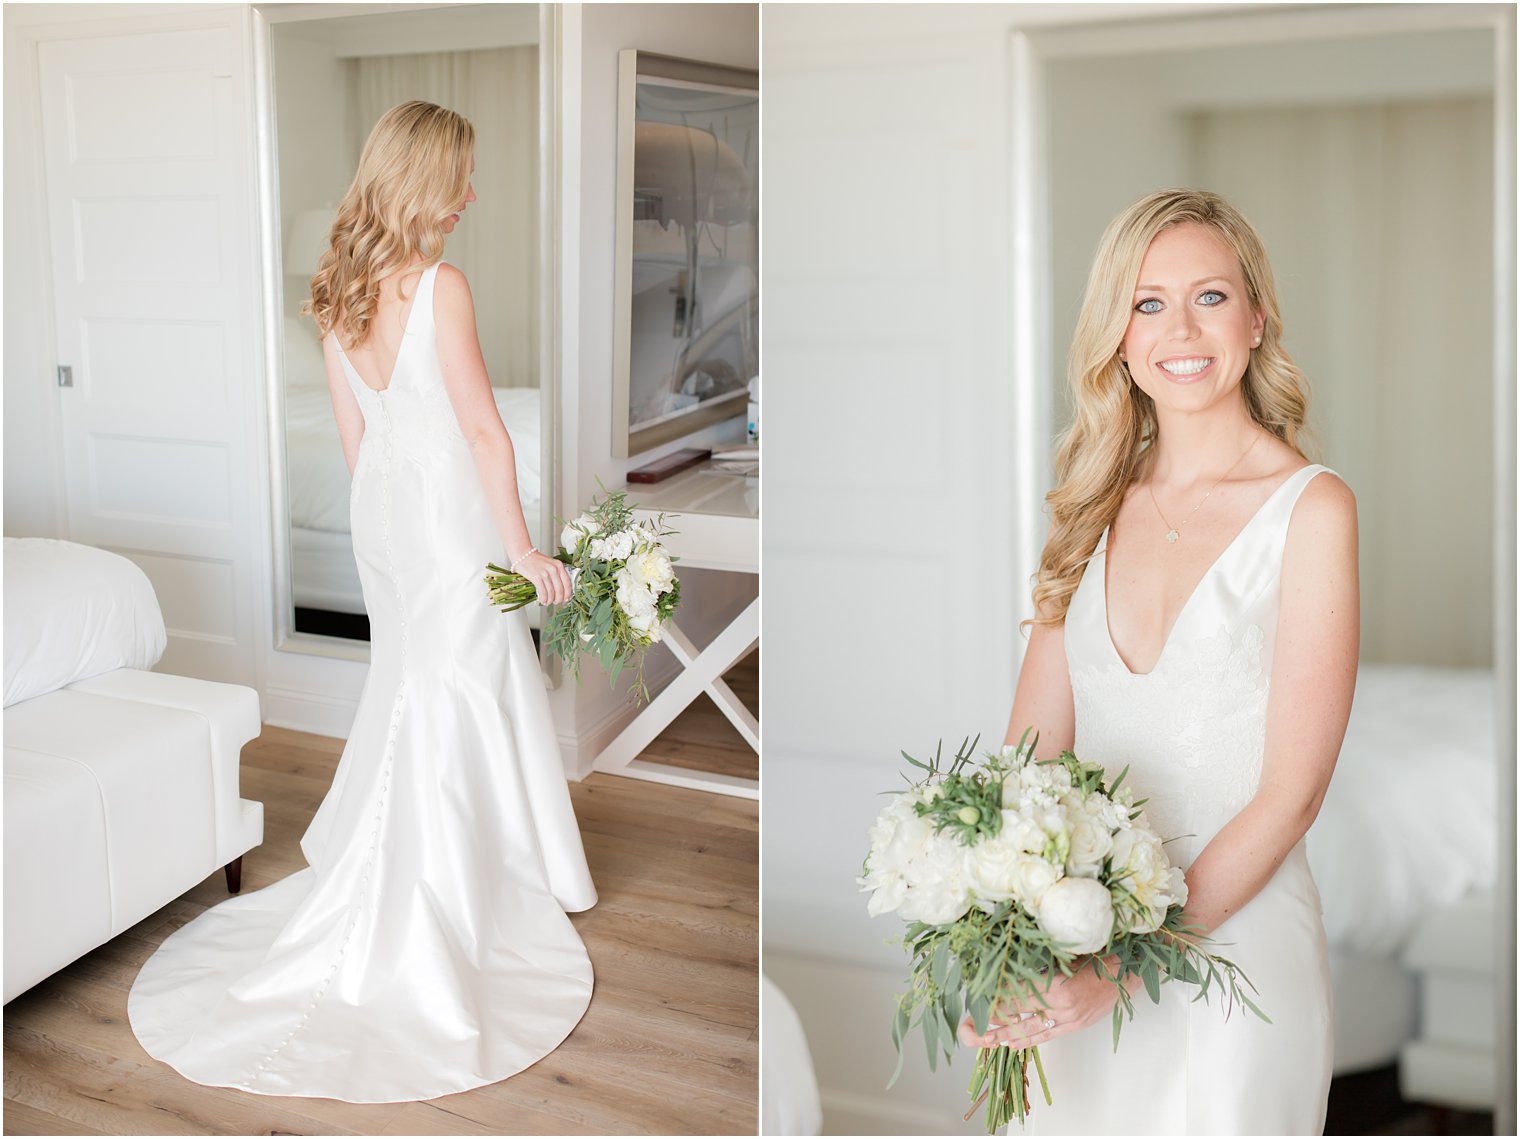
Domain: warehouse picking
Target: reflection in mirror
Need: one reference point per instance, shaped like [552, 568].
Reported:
[688, 279]
[1351, 172]
[332, 79]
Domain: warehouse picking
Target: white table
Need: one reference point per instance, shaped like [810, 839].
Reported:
[719, 529]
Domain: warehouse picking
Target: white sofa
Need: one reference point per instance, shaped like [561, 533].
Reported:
[121, 785]
[121, 793]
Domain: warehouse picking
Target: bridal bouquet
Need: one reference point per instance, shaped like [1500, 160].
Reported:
[624, 589]
[1010, 869]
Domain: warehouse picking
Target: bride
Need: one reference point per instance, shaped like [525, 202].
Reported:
[425, 949]
[1197, 620]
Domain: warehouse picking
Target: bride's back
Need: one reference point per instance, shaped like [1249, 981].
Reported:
[375, 357]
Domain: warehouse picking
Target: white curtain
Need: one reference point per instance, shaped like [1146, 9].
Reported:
[495, 245]
[1377, 220]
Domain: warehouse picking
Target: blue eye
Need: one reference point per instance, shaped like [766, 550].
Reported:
[1148, 301]
[1212, 293]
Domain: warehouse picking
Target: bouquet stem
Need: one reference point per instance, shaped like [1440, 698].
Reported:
[1000, 1079]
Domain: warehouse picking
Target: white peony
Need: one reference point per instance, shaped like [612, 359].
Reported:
[1140, 857]
[576, 530]
[614, 547]
[938, 890]
[1078, 914]
[1023, 832]
[638, 603]
[651, 567]
[911, 870]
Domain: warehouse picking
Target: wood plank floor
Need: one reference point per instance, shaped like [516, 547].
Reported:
[668, 1046]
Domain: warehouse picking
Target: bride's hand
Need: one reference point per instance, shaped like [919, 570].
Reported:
[1071, 1004]
[550, 578]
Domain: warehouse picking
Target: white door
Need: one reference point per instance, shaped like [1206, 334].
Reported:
[150, 200]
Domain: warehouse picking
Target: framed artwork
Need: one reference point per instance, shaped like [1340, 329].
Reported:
[688, 281]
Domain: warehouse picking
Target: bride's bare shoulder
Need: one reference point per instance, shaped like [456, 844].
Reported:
[451, 292]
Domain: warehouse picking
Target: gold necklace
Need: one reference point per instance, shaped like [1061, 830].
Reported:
[1172, 532]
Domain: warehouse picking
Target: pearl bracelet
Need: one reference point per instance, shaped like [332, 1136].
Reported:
[531, 551]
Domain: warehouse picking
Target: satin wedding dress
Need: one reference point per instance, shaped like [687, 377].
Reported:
[425, 948]
[1193, 731]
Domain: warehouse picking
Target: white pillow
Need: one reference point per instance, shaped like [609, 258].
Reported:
[72, 612]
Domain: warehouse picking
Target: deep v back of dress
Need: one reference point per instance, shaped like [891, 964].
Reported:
[426, 948]
[1192, 732]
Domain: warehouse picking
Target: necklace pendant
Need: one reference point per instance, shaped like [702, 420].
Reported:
[1172, 535]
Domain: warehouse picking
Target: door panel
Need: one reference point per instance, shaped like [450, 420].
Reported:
[147, 151]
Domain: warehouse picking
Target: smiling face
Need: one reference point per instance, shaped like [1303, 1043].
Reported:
[1191, 327]
[469, 196]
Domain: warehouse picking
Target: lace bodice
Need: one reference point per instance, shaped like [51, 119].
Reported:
[1193, 729]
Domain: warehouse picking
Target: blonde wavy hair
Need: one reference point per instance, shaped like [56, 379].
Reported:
[413, 173]
[1107, 447]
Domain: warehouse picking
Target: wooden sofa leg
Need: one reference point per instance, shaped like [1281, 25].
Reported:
[234, 871]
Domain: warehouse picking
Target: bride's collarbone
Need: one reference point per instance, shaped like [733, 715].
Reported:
[1148, 580]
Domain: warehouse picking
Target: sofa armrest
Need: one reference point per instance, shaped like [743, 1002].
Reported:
[231, 712]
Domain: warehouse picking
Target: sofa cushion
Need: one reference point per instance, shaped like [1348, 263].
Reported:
[151, 775]
[57, 891]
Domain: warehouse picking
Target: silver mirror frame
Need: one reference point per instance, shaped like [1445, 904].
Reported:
[286, 638]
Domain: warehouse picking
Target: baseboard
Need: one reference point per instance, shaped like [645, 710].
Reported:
[308, 712]
[580, 751]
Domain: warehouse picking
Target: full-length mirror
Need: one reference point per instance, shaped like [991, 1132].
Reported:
[1366, 163]
[332, 76]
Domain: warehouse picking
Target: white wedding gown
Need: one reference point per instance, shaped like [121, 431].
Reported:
[425, 949]
[1192, 731]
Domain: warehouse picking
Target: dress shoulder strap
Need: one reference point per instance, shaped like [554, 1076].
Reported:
[1256, 559]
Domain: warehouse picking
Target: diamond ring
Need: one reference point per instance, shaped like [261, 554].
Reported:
[1049, 1022]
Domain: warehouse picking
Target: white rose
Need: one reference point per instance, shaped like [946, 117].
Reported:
[1078, 914]
[1034, 878]
[991, 868]
[1090, 843]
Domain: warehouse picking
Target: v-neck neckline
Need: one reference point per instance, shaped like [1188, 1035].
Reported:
[406, 330]
[1166, 642]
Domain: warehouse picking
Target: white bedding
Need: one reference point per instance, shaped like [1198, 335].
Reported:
[318, 475]
[1409, 822]
[73, 612]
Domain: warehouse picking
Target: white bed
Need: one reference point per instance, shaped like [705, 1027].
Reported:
[323, 572]
[1408, 826]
